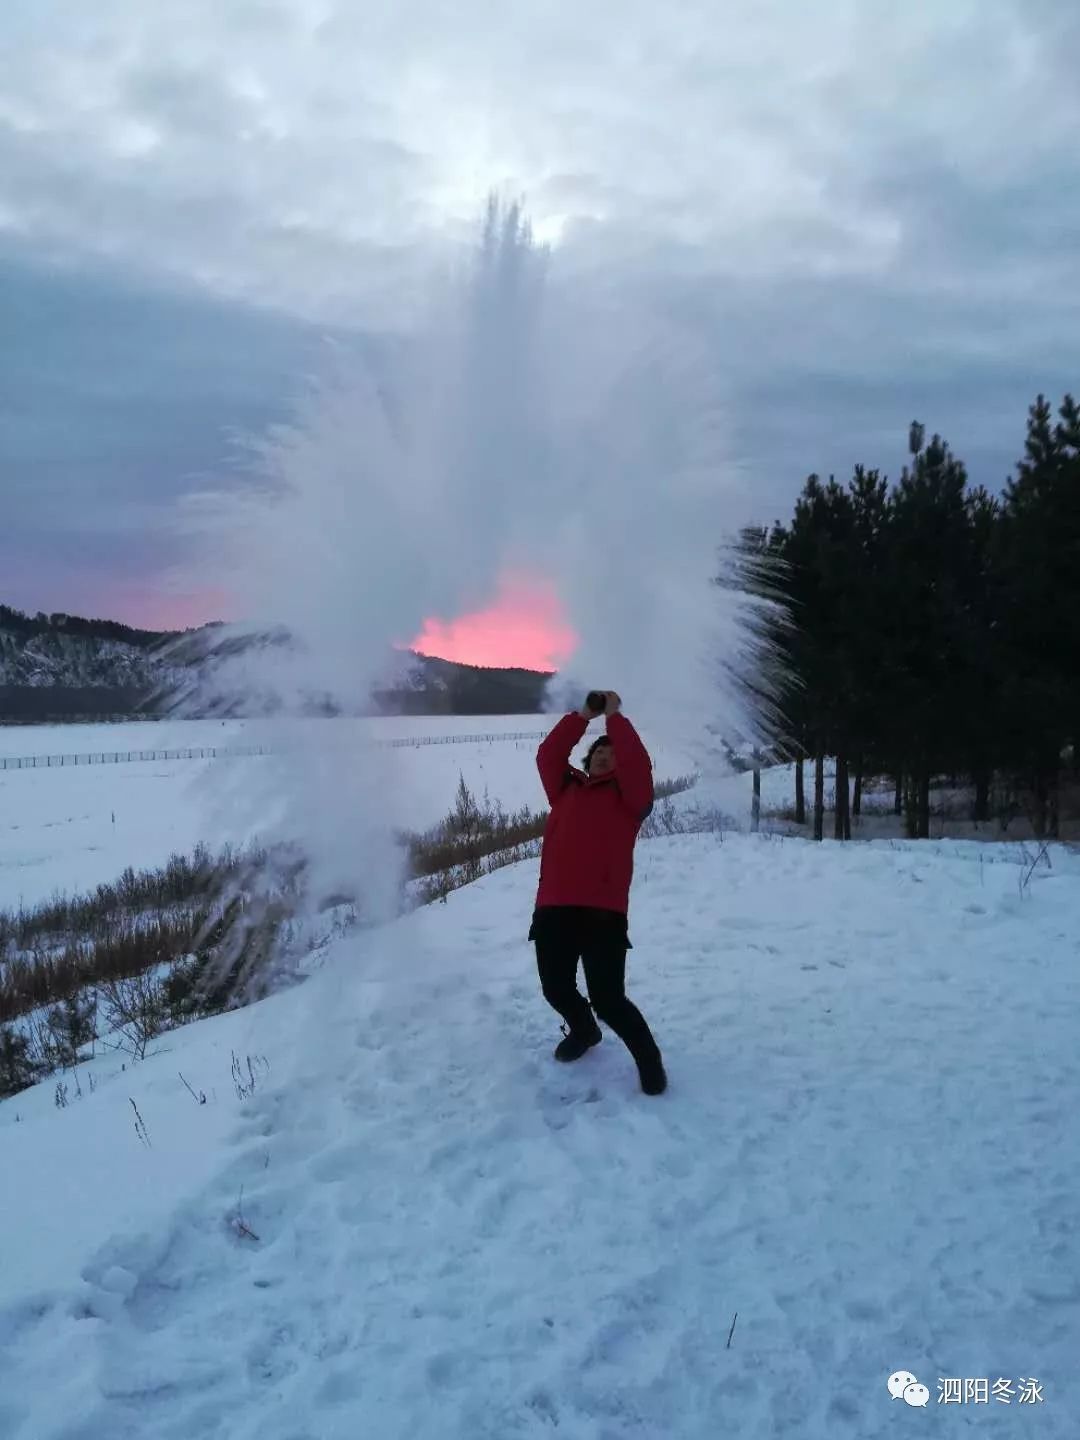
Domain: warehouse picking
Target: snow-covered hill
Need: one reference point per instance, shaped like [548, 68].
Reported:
[418, 1225]
[58, 659]
[50, 671]
[63, 667]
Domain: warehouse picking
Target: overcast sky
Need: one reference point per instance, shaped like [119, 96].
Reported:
[871, 212]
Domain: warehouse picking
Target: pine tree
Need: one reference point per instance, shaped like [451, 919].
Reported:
[1041, 581]
[927, 553]
[937, 628]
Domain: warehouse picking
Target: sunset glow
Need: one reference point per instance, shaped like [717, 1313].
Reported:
[525, 627]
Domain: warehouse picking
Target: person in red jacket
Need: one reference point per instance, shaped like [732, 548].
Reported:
[586, 866]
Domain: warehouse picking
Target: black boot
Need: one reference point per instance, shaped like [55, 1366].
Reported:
[652, 1073]
[575, 1045]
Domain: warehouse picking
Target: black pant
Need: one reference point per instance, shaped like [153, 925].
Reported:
[565, 934]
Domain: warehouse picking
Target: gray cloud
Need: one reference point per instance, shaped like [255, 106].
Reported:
[295, 153]
[865, 213]
[114, 401]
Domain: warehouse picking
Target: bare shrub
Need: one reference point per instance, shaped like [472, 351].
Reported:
[469, 833]
[134, 1010]
[475, 840]
[666, 820]
[140, 1126]
[246, 1073]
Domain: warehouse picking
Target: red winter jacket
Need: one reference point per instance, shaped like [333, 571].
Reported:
[588, 850]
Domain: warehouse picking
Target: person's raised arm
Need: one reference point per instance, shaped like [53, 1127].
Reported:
[633, 767]
[553, 755]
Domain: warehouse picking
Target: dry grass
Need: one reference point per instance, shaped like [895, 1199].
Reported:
[479, 837]
[204, 934]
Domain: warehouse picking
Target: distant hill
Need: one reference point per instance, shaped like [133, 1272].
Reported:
[65, 668]
[443, 687]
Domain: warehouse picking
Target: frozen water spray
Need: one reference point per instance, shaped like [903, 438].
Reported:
[535, 425]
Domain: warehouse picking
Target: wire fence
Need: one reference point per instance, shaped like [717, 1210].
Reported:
[218, 752]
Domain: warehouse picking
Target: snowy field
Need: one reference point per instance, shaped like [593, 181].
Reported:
[73, 828]
[869, 1151]
[175, 734]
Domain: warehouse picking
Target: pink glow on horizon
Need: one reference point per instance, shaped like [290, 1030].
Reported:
[524, 628]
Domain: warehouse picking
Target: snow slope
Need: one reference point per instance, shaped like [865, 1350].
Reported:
[868, 1151]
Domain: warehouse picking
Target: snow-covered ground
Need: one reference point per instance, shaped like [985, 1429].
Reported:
[73, 828]
[868, 1151]
[174, 734]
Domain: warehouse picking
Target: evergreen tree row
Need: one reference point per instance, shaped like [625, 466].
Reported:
[27, 626]
[935, 627]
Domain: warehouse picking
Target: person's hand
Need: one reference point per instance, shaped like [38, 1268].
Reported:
[590, 712]
[613, 702]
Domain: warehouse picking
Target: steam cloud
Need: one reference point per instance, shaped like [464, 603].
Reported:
[537, 425]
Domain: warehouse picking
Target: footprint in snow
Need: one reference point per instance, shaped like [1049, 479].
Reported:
[559, 1108]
